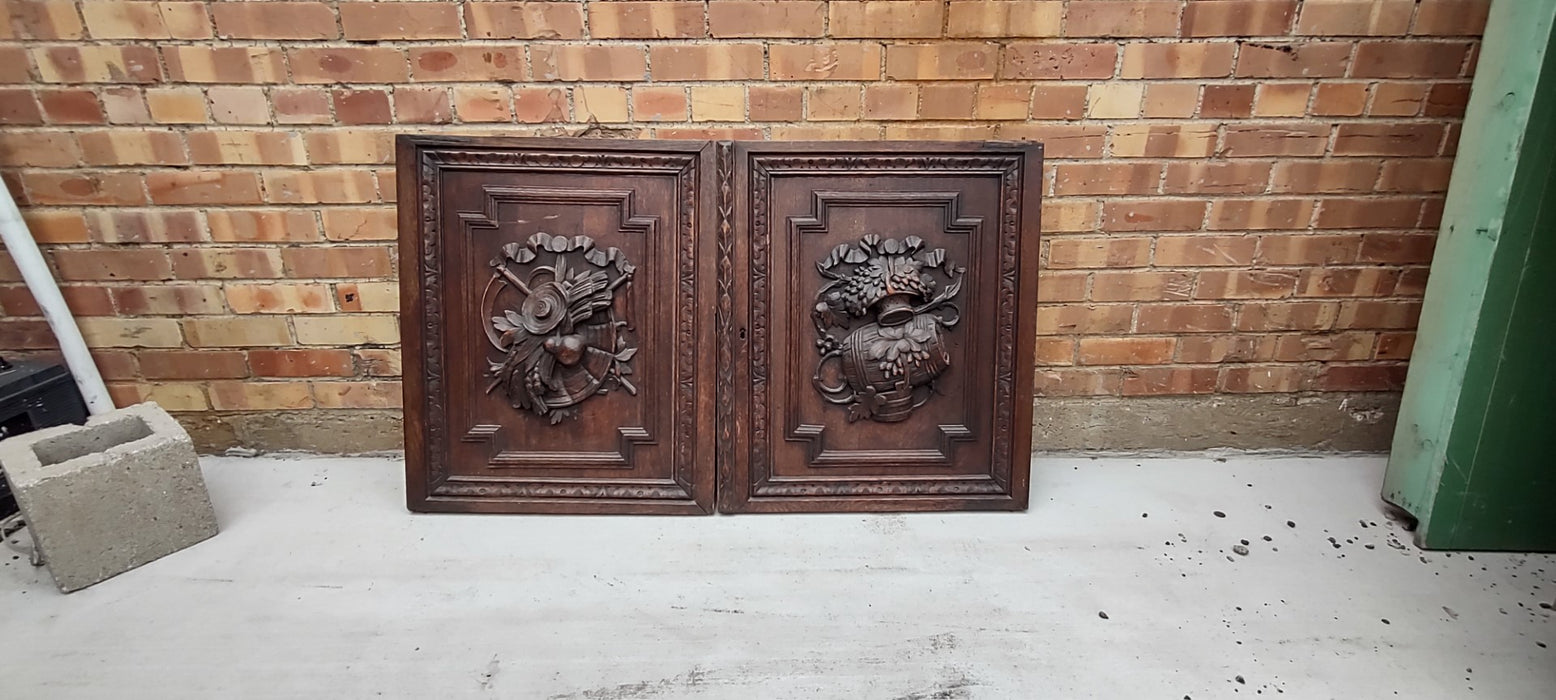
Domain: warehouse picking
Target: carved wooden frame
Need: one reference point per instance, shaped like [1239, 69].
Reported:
[746, 483]
[429, 484]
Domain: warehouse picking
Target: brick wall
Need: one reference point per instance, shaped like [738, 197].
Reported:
[1242, 193]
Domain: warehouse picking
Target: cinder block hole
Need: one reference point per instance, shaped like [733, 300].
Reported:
[89, 440]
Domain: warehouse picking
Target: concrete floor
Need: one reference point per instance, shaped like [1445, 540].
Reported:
[1121, 582]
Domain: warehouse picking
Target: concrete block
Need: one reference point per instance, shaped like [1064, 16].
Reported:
[101, 499]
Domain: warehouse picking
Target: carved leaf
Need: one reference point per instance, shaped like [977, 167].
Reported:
[626, 355]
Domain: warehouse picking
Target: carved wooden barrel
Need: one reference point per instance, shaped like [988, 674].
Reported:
[894, 361]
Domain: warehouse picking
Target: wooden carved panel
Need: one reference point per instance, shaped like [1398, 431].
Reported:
[877, 303]
[556, 325]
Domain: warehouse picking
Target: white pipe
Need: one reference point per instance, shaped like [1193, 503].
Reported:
[36, 272]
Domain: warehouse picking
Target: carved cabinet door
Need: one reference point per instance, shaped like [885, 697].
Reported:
[880, 325]
[558, 334]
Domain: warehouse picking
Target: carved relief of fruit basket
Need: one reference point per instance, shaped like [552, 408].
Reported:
[894, 300]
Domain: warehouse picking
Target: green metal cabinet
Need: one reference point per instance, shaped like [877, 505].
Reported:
[1474, 453]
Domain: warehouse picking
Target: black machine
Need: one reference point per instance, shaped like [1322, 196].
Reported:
[34, 395]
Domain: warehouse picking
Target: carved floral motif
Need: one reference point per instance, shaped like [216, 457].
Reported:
[562, 340]
[892, 298]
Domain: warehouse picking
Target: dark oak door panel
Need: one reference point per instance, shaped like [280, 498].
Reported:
[557, 339]
[881, 331]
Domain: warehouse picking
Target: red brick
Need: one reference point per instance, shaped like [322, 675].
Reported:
[379, 363]
[1224, 348]
[1361, 378]
[1447, 99]
[1184, 318]
[524, 20]
[1213, 177]
[14, 66]
[399, 20]
[1395, 346]
[1125, 351]
[323, 185]
[97, 64]
[1264, 379]
[1451, 17]
[274, 20]
[356, 224]
[1293, 60]
[246, 148]
[145, 226]
[185, 364]
[1245, 214]
[942, 61]
[1369, 213]
[1066, 253]
[1390, 314]
[595, 62]
[1077, 382]
[260, 396]
[482, 104]
[56, 226]
[761, 18]
[1327, 347]
[646, 20]
[262, 225]
[1178, 60]
[422, 105]
[349, 146]
[225, 64]
[1104, 18]
[1153, 215]
[1169, 381]
[1245, 284]
[103, 265]
[272, 298]
[168, 300]
[349, 64]
[1138, 285]
[1416, 175]
[40, 19]
[147, 20]
[1296, 139]
[833, 61]
[361, 106]
[1356, 17]
[888, 19]
[1155, 140]
[1238, 17]
[1198, 251]
[1409, 59]
[19, 107]
[1017, 18]
[1397, 248]
[659, 104]
[1347, 282]
[1307, 249]
[138, 147]
[1106, 178]
[1340, 99]
[1227, 101]
[357, 394]
[71, 107]
[1325, 176]
[1064, 286]
[1054, 61]
[1059, 140]
[1403, 139]
[354, 261]
[776, 103]
[76, 188]
[203, 187]
[226, 263]
[302, 105]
